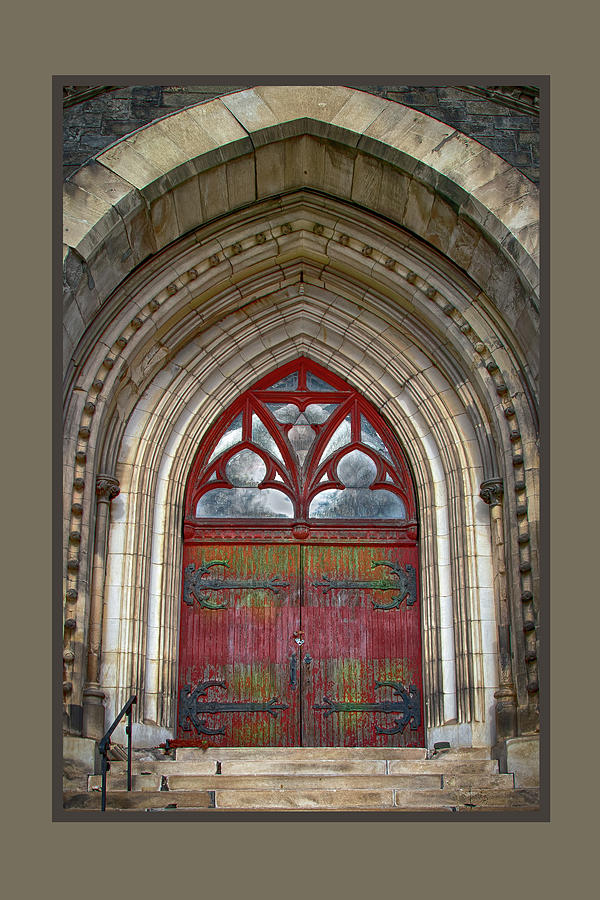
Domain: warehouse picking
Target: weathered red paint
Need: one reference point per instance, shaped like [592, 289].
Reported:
[351, 644]
[245, 645]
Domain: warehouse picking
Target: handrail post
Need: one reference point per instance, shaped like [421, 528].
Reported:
[128, 729]
[104, 768]
[104, 745]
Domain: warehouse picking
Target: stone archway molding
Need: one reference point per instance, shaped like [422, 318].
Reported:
[187, 169]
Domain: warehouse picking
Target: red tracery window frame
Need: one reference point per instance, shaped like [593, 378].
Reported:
[301, 483]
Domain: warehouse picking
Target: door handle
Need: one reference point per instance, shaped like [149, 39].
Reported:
[293, 670]
[308, 659]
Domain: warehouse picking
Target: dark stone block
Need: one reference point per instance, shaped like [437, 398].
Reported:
[452, 93]
[95, 141]
[515, 122]
[83, 119]
[477, 129]
[75, 713]
[117, 129]
[146, 92]
[504, 146]
[481, 107]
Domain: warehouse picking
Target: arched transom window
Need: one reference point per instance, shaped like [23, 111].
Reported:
[300, 445]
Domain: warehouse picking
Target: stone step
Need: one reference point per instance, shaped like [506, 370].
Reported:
[444, 766]
[523, 798]
[364, 767]
[119, 782]
[300, 753]
[465, 799]
[377, 799]
[397, 799]
[463, 753]
[140, 800]
[473, 780]
[315, 766]
[165, 767]
[306, 767]
[305, 799]
[308, 782]
[268, 782]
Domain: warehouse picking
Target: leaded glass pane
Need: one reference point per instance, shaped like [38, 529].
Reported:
[356, 469]
[245, 468]
[369, 436]
[340, 437]
[287, 413]
[316, 384]
[261, 436]
[232, 436]
[245, 502]
[301, 438]
[289, 383]
[317, 413]
[357, 503]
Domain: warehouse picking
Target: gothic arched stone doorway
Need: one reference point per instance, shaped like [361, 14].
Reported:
[404, 259]
[300, 619]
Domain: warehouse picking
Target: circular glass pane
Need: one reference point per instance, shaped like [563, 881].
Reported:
[245, 468]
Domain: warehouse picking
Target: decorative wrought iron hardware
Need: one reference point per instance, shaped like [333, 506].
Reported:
[406, 584]
[195, 584]
[409, 706]
[191, 709]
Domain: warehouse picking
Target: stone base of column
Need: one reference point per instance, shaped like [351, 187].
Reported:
[93, 712]
[506, 712]
[529, 718]
[523, 760]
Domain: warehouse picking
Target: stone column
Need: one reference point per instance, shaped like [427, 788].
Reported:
[107, 488]
[491, 492]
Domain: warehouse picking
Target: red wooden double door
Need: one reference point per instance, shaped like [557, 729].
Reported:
[300, 643]
[300, 616]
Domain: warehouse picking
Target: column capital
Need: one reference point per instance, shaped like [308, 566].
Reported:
[491, 491]
[107, 487]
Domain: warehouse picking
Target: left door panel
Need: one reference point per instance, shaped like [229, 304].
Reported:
[238, 673]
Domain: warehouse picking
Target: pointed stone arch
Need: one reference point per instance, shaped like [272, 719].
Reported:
[219, 243]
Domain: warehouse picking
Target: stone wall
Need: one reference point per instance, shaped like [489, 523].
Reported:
[505, 120]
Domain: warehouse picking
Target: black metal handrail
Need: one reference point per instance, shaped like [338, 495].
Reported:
[104, 745]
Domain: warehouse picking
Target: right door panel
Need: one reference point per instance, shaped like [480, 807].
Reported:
[361, 678]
